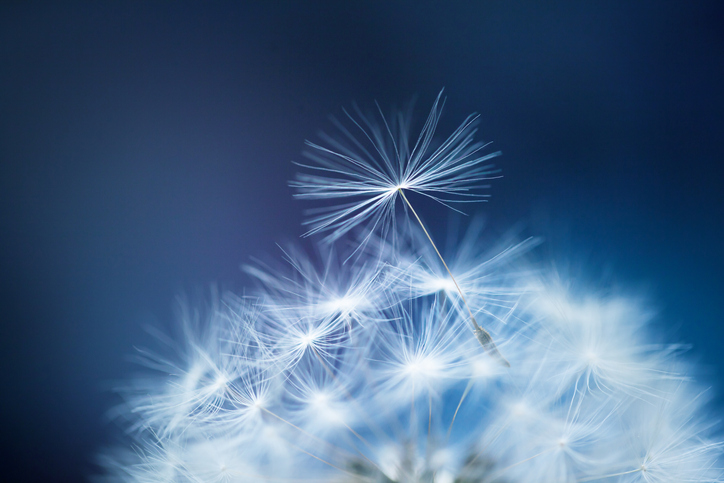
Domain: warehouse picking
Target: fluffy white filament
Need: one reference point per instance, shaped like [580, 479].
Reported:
[362, 368]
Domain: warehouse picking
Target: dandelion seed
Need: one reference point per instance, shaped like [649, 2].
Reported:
[389, 167]
[381, 161]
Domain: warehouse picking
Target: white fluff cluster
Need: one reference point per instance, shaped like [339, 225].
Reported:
[341, 368]
[369, 168]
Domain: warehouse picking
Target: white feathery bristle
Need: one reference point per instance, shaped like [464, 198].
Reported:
[361, 365]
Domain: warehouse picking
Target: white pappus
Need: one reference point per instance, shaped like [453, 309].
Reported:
[358, 365]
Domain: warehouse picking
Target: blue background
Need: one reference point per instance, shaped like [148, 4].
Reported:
[145, 150]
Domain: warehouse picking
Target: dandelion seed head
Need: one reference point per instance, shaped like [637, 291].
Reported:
[592, 357]
[360, 362]
[307, 339]
[443, 284]
[423, 367]
[220, 382]
[346, 304]
[483, 368]
[521, 409]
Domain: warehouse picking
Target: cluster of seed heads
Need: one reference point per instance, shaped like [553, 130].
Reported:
[384, 359]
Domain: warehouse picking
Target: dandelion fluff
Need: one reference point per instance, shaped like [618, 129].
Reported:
[339, 369]
[374, 160]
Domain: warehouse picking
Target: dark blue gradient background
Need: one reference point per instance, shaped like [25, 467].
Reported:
[145, 150]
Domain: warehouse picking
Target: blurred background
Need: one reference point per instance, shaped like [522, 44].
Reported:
[145, 149]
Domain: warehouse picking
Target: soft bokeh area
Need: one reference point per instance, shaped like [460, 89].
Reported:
[145, 151]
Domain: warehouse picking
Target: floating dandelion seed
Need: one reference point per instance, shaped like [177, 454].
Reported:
[352, 372]
[382, 164]
[382, 161]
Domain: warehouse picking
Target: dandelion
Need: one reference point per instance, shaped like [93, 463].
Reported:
[340, 369]
[383, 164]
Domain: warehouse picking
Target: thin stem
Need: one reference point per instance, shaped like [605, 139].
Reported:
[481, 334]
[500, 472]
[429, 417]
[484, 448]
[320, 459]
[323, 441]
[376, 429]
[413, 416]
[593, 478]
[327, 443]
[462, 398]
